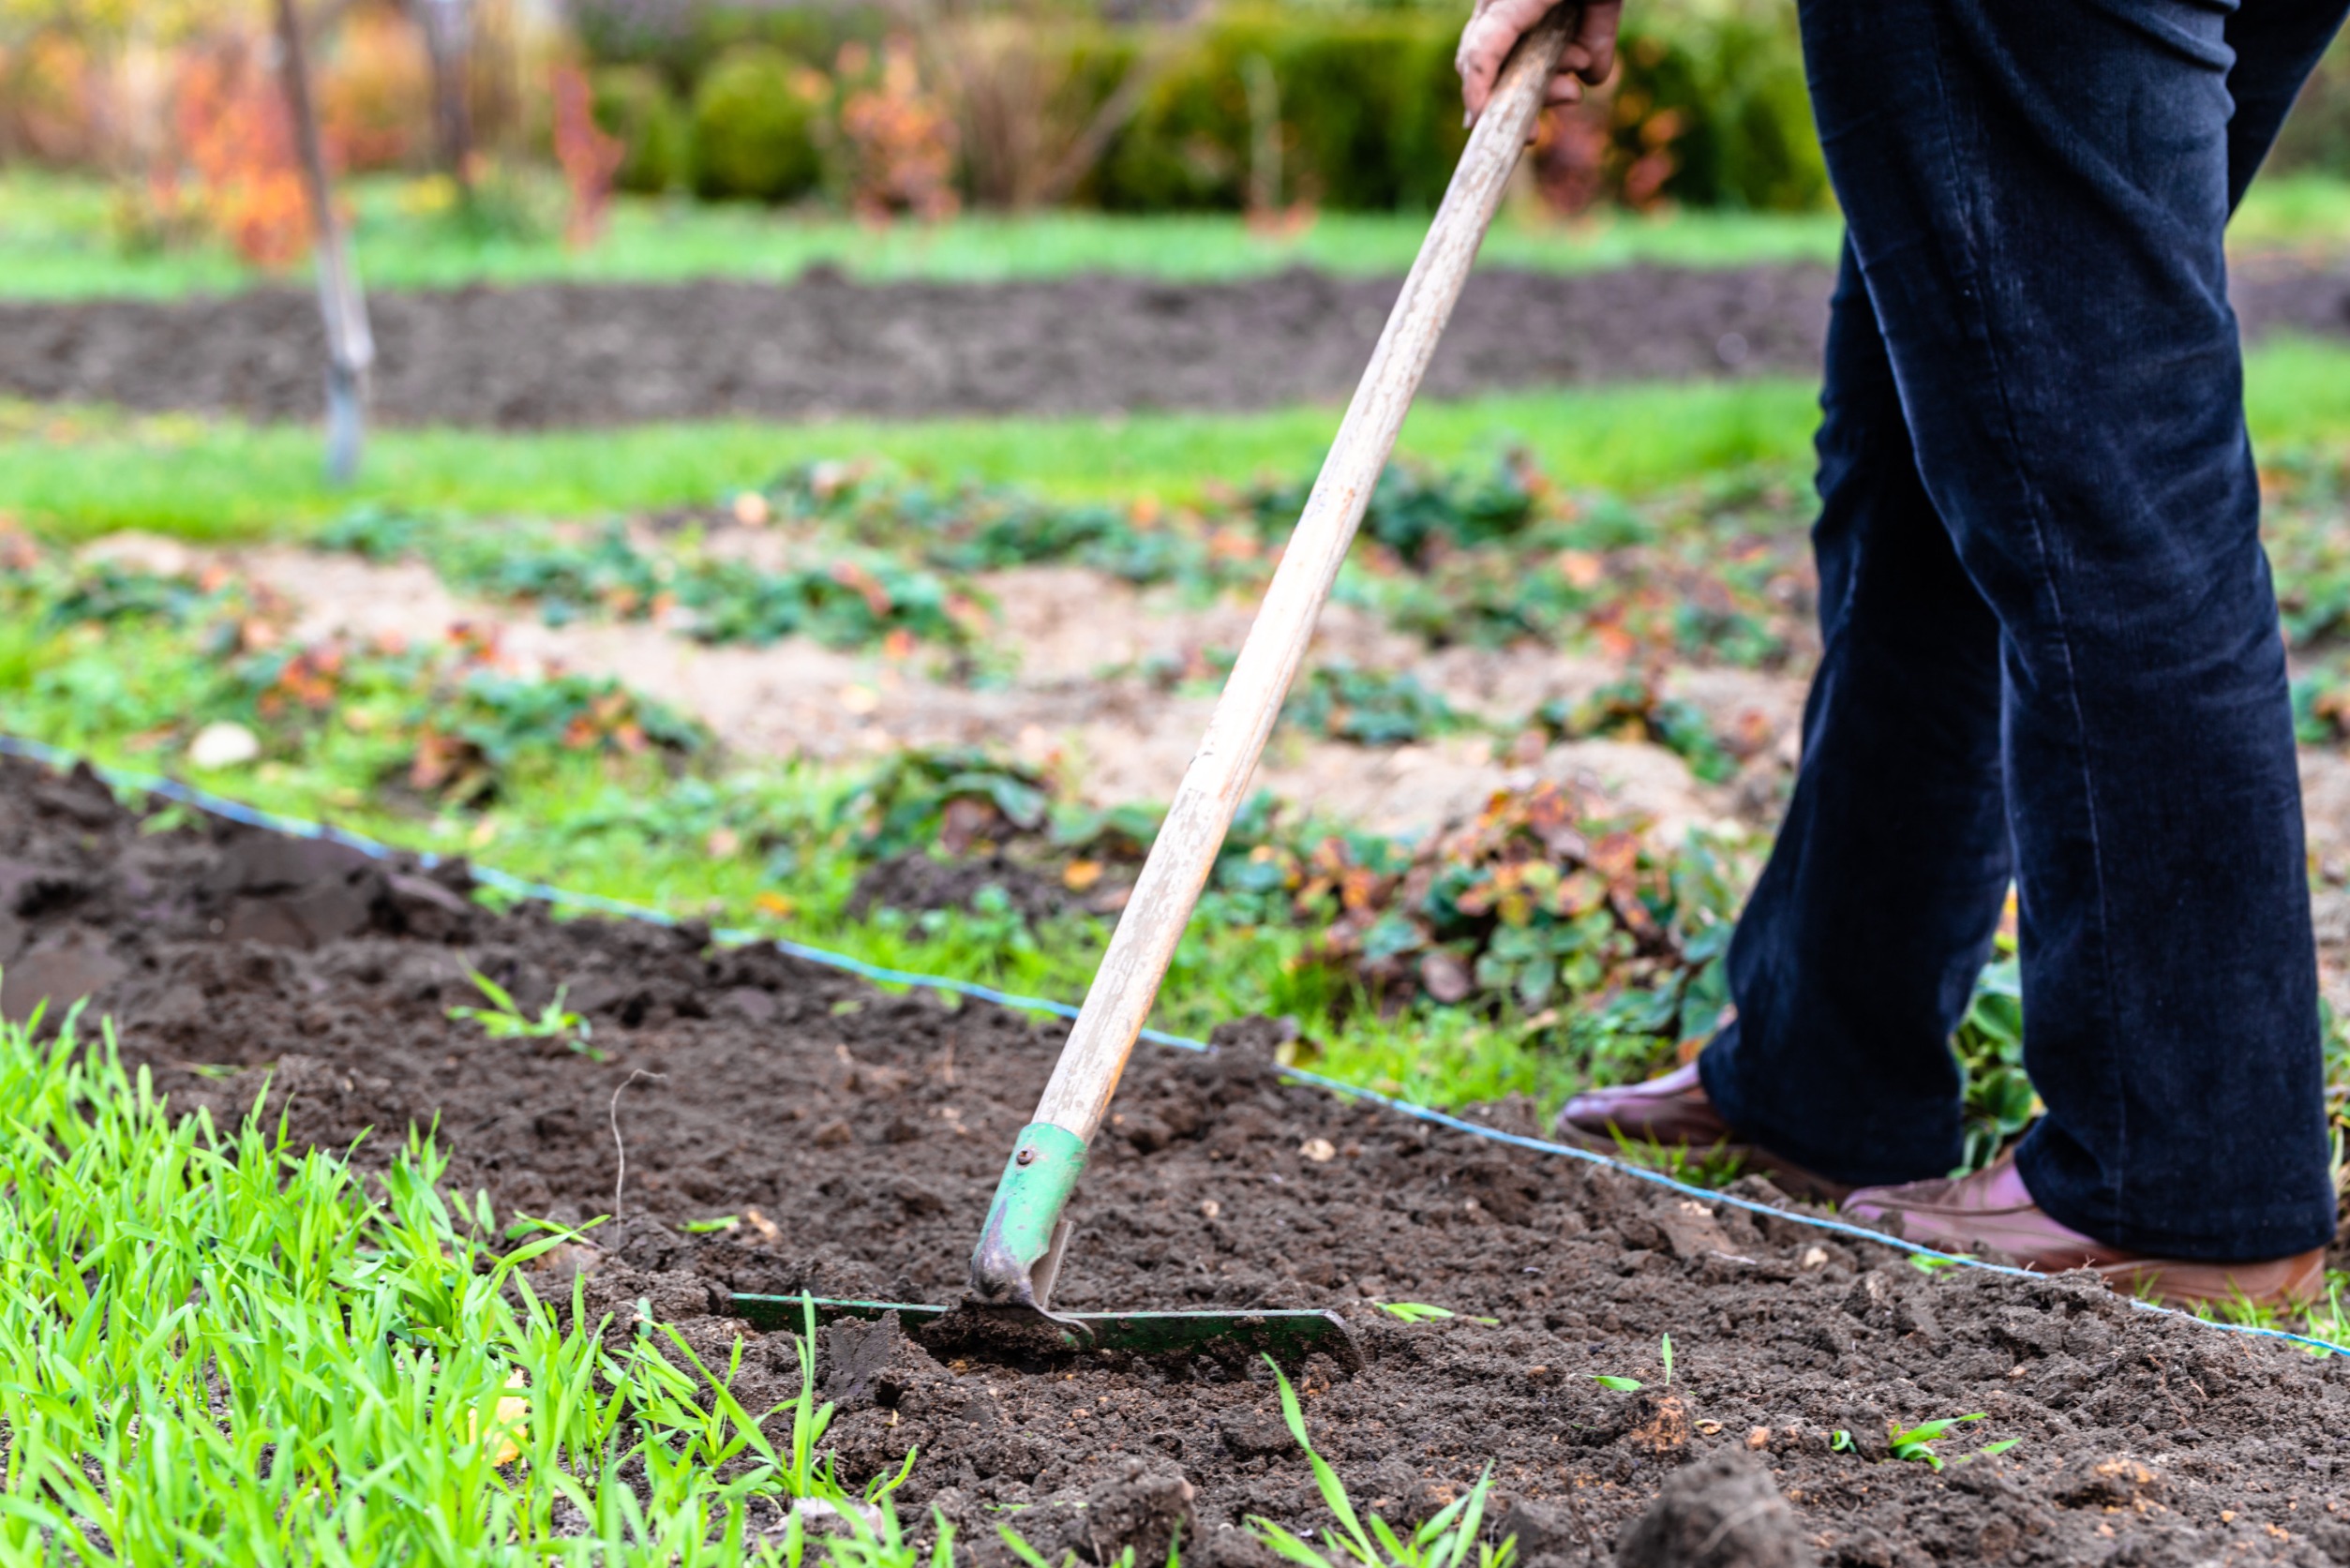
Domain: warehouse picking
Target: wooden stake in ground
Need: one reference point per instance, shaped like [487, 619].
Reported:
[350, 346]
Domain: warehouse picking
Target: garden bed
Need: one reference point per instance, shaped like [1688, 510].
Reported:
[555, 354]
[587, 354]
[798, 1129]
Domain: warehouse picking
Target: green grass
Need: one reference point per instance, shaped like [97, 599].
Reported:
[77, 473]
[82, 473]
[223, 1346]
[58, 241]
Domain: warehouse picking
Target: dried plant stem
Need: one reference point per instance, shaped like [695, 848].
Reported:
[620, 1176]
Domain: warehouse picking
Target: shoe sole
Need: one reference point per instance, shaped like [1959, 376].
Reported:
[2281, 1283]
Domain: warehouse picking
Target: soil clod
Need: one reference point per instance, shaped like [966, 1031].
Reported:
[1720, 1512]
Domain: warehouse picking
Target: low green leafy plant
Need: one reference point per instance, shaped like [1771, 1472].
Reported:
[1633, 1385]
[854, 599]
[1446, 1540]
[1417, 511]
[1634, 709]
[1422, 1312]
[1371, 708]
[1999, 1101]
[957, 801]
[503, 1019]
[1915, 1445]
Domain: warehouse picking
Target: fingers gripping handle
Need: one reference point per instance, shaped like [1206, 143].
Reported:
[1185, 852]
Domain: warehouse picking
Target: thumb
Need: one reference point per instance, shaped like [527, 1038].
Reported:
[1485, 44]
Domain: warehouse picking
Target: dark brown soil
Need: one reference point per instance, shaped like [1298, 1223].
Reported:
[915, 882]
[859, 1136]
[562, 354]
[566, 355]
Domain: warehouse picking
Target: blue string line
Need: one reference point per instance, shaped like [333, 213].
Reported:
[505, 882]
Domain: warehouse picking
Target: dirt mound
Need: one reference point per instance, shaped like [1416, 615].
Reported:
[856, 1138]
[567, 354]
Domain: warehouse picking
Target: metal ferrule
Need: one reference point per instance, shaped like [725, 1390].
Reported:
[1045, 1163]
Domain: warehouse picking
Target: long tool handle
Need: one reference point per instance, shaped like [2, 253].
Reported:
[1050, 1151]
[1126, 984]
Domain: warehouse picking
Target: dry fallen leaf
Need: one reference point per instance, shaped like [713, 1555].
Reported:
[1581, 568]
[514, 1411]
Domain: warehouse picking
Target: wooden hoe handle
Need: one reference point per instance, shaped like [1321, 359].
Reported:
[1051, 1150]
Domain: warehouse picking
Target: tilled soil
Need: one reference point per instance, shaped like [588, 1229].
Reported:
[859, 1136]
[573, 355]
[569, 355]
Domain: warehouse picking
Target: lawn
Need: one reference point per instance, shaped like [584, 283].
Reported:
[74, 473]
[57, 241]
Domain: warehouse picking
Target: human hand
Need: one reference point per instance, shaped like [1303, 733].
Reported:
[1495, 25]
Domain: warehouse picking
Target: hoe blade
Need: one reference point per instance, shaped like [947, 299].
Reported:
[1286, 1334]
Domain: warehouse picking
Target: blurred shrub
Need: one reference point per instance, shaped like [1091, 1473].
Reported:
[228, 121]
[53, 106]
[1706, 107]
[683, 39]
[1036, 109]
[2317, 136]
[634, 104]
[896, 140]
[1368, 112]
[375, 90]
[754, 119]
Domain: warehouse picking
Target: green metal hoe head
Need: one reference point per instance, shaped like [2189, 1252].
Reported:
[1288, 1336]
[1013, 1271]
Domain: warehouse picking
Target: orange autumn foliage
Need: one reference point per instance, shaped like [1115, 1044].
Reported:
[230, 123]
[589, 157]
[899, 138]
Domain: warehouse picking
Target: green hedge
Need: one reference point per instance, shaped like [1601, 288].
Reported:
[1369, 105]
[634, 104]
[1367, 100]
[755, 127]
[1369, 112]
[2317, 137]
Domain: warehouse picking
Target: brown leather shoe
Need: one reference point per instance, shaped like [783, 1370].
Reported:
[1672, 1110]
[1990, 1215]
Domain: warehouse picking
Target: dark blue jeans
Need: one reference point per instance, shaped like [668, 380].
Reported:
[2051, 643]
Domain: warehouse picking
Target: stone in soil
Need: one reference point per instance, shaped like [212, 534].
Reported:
[859, 1135]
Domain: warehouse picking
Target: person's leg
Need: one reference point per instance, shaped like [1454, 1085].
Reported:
[1856, 953]
[2036, 195]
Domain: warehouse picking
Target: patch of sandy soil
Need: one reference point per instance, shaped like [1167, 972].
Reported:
[1122, 738]
[1076, 700]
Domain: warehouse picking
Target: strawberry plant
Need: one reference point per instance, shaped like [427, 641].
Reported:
[1634, 709]
[1373, 708]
